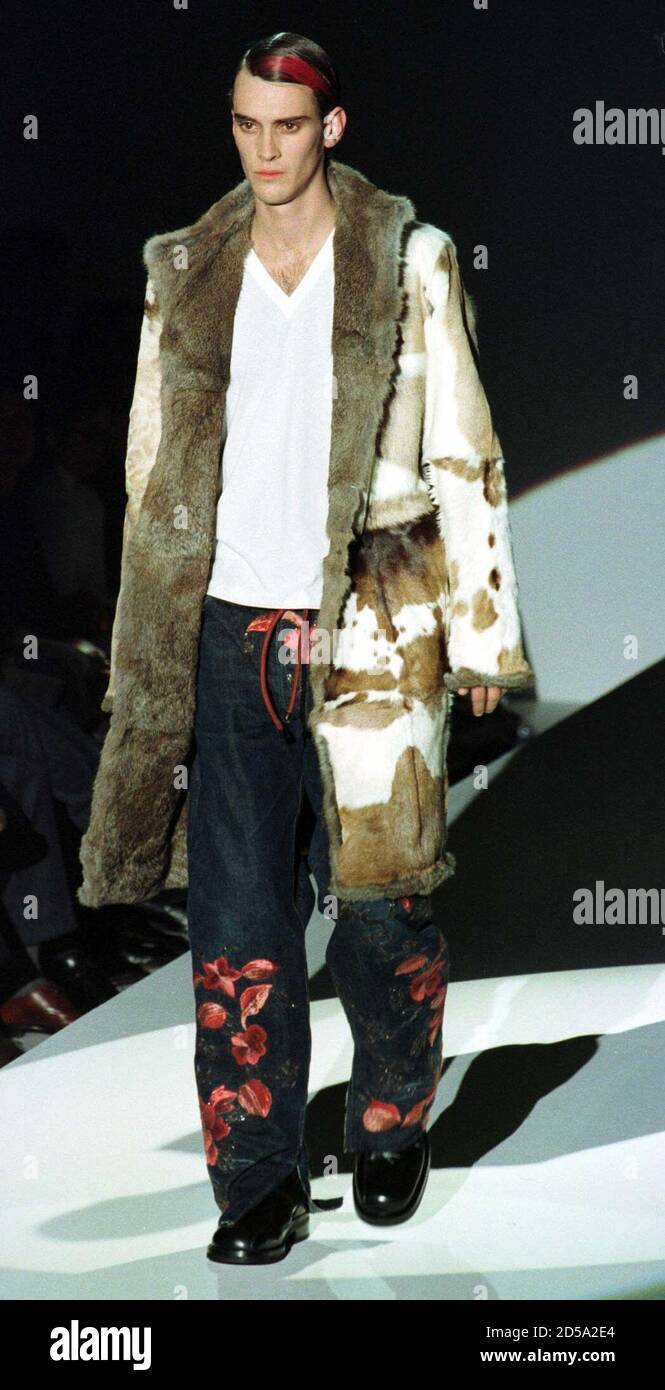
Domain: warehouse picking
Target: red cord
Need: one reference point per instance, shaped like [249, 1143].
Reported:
[272, 624]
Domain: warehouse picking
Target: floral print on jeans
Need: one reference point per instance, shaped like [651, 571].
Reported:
[247, 1046]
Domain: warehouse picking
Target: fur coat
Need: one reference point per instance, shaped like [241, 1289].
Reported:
[419, 589]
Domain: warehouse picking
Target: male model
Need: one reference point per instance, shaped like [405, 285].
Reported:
[292, 624]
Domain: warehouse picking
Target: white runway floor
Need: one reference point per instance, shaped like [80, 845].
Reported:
[106, 1191]
[111, 1199]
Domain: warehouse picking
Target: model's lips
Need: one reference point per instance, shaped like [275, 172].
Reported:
[269, 173]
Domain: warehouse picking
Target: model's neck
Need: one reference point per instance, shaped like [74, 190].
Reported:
[299, 224]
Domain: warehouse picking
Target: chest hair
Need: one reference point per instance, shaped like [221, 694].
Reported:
[287, 269]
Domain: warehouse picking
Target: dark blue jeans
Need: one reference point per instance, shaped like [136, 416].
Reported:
[249, 902]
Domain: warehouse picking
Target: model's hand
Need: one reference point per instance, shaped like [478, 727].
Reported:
[484, 698]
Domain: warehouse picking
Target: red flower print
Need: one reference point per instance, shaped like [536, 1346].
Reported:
[255, 1098]
[211, 1150]
[250, 1045]
[211, 1016]
[222, 1099]
[437, 1003]
[380, 1115]
[256, 968]
[413, 963]
[426, 983]
[416, 1113]
[213, 1124]
[251, 1000]
[436, 1024]
[218, 974]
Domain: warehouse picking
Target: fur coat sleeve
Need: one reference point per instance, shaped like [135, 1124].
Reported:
[143, 438]
[463, 464]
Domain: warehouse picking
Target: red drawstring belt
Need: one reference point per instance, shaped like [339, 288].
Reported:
[267, 622]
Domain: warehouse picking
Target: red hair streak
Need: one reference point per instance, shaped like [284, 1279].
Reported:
[296, 68]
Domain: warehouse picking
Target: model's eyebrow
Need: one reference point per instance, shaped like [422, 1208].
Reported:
[238, 116]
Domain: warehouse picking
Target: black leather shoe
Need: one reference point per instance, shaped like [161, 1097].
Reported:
[388, 1187]
[266, 1232]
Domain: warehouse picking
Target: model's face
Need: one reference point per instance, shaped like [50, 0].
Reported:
[277, 127]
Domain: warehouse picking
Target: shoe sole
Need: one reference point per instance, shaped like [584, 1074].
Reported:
[401, 1216]
[300, 1231]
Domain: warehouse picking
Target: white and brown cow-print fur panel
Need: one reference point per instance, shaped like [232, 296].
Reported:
[382, 731]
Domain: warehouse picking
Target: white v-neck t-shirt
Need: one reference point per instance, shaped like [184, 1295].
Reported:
[272, 509]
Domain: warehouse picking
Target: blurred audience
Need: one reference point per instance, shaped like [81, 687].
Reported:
[58, 959]
[69, 515]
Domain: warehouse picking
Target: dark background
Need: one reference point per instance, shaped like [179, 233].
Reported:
[468, 112]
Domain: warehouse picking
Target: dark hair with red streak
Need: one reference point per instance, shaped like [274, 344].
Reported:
[288, 57]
